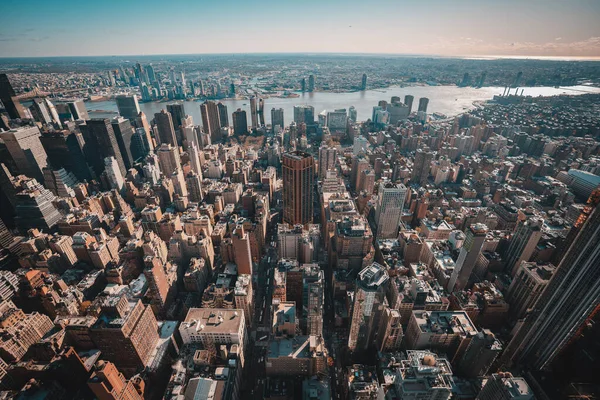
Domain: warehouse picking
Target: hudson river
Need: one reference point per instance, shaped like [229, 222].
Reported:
[449, 100]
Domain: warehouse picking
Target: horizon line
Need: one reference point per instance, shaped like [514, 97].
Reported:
[311, 53]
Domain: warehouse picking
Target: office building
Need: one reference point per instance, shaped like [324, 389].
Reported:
[166, 130]
[40, 111]
[261, 111]
[304, 114]
[423, 375]
[126, 333]
[177, 112]
[369, 296]
[241, 248]
[480, 354]
[8, 98]
[582, 182]
[311, 83]
[408, 100]
[124, 134]
[194, 187]
[9, 282]
[101, 142]
[327, 159]
[298, 176]
[223, 115]
[211, 120]
[128, 106]
[467, 258]
[504, 386]
[34, 207]
[108, 383]
[390, 203]
[277, 118]
[26, 150]
[421, 166]
[423, 103]
[240, 122]
[64, 149]
[214, 325]
[113, 173]
[360, 145]
[523, 243]
[568, 300]
[363, 84]
[78, 110]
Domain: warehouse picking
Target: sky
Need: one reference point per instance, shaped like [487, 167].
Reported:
[36, 28]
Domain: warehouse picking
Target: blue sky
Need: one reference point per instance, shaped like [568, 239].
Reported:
[444, 27]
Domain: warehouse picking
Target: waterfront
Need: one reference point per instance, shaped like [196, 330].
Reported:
[448, 100]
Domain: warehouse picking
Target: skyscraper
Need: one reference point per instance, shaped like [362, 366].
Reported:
[223, 114]
[261, 111]
[304, 113]
[253, 112]
[363, 84]
[240, 122]
[311, 83]
[408, 100]
[128, 106]
[327, 159]
[423, 103]
[26, 149]
[523, 244]
[480, 354]
[78, 110]
[503, 386]
[211, 120]
[8, 98]
[241, 249]
[108, 383]
[101, 142]
[34, 207]
[113, 174]
[421, 166]
[124, 133]
[177, 113]
[467, 258]
[277, 118]
[166, 129]
[568, 300]
[390, 202]
[369, 296]
[168, 159]
[298, 176]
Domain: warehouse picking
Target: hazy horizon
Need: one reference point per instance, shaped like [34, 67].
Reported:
[469, 28]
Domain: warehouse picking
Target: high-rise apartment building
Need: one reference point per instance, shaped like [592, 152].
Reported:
[113, 173]
[177, 113]
[311, 83]
[327, 159]
[390, 202]
[108, 383]
[126, 333]
[261, 111]
[166, 129]
[482, 351]
[223, 115]
[565, 304]
[211, 120]
[298, 176]
[421, 166]
[369, 296]
[363, 83]
[240, 122]
[26, 150]
[467, 258]
[128, 106]
[34, 207]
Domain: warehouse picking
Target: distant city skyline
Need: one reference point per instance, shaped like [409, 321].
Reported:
[551, 28]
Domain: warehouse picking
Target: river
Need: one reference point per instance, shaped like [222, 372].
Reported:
[449, 100]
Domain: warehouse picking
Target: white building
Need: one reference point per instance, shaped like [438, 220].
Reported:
[390, 202]
[113, 173]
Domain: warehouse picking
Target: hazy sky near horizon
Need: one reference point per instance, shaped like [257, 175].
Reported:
[441, 27]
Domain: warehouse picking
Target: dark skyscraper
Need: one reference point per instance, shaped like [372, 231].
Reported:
[363, 85]
[101, 142]
[128, 106]
[303, 84]
[568, 300]
[254, 112]
[423, 103]
[166, 130]
[211, 121]
[408, 100]
[8, 98]
[223, 115]
[240, 122]
[277, 118]
[26, 150]
[298, 177]
[65, 150]
[261, 111]
[177, 113]
[123, 133]
[311, 83]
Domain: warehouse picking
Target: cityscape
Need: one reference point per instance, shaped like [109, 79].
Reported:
[299, 225]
